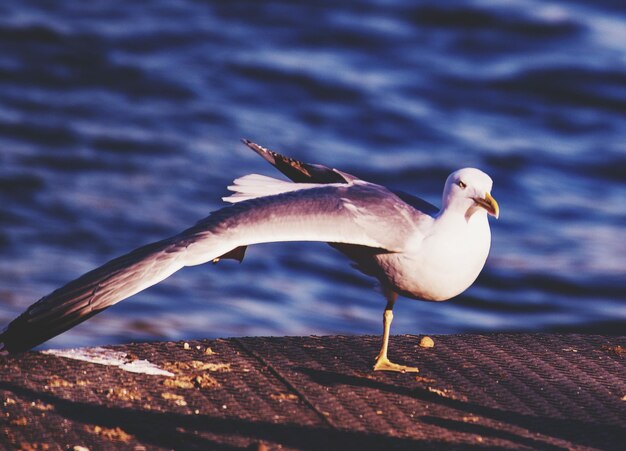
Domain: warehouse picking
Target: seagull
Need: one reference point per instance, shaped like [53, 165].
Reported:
[413, 248]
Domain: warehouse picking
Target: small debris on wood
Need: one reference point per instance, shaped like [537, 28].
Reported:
[205, 381]
[117, 434]
[124, 394]
[179, 382]
[21, 421]
[192, 381]
[427, 342]
[618, 350]
[280, 397]
[56, 381]
[196, 365]
[423, 379]
[217, 367]
[192, 374]
[445, 393]
[130, 357]
[178, 399]
[41, 406]
[25, 446]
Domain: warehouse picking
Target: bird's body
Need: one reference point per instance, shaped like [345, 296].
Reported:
[408, 247]
[452, 246]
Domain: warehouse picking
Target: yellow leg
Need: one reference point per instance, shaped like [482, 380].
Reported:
[382, 362]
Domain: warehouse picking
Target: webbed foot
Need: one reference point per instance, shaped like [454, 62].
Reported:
[383, 364]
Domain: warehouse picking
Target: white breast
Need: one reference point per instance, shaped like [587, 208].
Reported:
[444, 263]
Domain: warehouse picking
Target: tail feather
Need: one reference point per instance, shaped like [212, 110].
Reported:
[91, 293]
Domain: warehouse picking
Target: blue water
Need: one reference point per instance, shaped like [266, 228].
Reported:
[120, 125]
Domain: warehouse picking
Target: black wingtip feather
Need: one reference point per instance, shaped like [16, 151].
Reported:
[296, 170]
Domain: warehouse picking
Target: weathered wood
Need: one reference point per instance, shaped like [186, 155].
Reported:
[512, 391]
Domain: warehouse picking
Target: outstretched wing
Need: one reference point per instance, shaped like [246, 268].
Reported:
[355, 213]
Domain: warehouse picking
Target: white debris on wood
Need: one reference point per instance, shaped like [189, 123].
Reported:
[109, 357]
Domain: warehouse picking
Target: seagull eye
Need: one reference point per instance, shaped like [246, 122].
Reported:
[462, 185]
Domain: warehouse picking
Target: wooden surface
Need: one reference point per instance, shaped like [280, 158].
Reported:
[518, 391]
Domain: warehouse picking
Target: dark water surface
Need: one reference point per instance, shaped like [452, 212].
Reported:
[120, 125]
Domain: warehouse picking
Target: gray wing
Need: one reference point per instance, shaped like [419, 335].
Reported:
[355, 213]
[300, 172]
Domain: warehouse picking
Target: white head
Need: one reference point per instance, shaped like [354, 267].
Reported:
[468, 191]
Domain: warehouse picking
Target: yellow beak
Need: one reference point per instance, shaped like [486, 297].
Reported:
[489, 204]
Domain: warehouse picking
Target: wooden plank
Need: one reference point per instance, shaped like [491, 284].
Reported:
[511, 391]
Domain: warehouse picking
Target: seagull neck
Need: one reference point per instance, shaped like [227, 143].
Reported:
[449, 215]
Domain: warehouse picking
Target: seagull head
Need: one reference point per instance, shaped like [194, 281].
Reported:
[468, 191]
